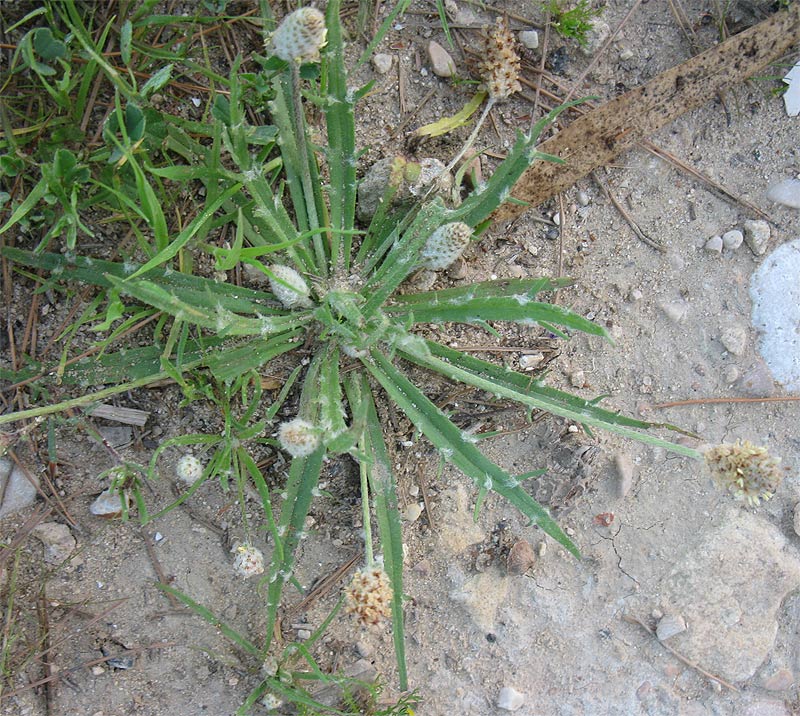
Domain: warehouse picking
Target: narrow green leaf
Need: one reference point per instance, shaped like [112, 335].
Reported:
[215, 621]
[126, 42]
[458, 448]
[384, 494]
[504, 382]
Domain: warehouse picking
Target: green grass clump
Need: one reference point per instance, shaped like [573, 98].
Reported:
[286, 204]
[573, 23]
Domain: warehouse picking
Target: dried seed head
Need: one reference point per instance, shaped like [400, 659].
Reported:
[189, 469]
[300, 36]
[248, 560]
[445, 245]
[501, 66]
[746, 470]
[369, 595]
[289, 287]
[298, 437]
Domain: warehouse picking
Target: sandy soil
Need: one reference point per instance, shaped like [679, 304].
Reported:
[660, 543]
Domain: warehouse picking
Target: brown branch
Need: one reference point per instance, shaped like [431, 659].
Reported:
[635, 620]
[601, 135]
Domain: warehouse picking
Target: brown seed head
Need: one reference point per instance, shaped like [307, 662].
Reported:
[501, 66]
[369, 595]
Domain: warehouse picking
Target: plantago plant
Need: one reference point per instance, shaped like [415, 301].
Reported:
[333, 293]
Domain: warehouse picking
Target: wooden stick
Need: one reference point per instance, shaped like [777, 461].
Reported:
[635, 620]
[601, 135]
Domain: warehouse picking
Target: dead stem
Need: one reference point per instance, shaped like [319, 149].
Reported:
[635, 620]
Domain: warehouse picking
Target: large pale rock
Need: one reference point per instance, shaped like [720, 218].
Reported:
[729, 588]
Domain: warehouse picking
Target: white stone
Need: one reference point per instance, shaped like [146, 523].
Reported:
[732, 240]
[624, 468]
[529, 39]
[412, 512]
[670, 625]
[714, 245]
[16, 490]
[734, 338]
[775, 292]
[441, 62]
[382, 63]
[786, 192]
[583, 198]
[796, 519]
[756, 234]
[510, 699]
[57, 539]
[529, 361]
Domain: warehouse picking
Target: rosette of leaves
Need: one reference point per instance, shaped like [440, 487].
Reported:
[268, 185]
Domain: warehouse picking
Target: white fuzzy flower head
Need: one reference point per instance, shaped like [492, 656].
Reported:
[298, 437]
[189, 469]
[248, 561]
[300, 36]
[445, 245]
[747, 471]
[271, 702]
[289, 287]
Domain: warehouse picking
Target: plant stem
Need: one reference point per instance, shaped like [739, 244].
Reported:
[472, 137]
[302, 148]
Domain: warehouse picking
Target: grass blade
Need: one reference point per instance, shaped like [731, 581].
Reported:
[458, 448]
[506, 383]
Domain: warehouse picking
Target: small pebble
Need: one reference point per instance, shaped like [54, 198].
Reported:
[676, 311]
[382, 63]
[583, 198]
[364, 649]
[107, 505]
[557, 218]
[57, 539]
[756, 234]
[578, 379]
[734, 338]
[98, 670]
[670, 625]
[635, 295]
[733, 239]
[16, 491]
[786, 192]
[529, 361]
[624, 468]
[796, 519]
[730, 374]
[303, 634]
[412, 512]
[413, 490]
[625, 54]
[757, 381]
[529, 39]
[552, 233]
[779, 681]
[441, 62]
[510, 699]
[521, 558]
[714, 245]
[458, 270]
